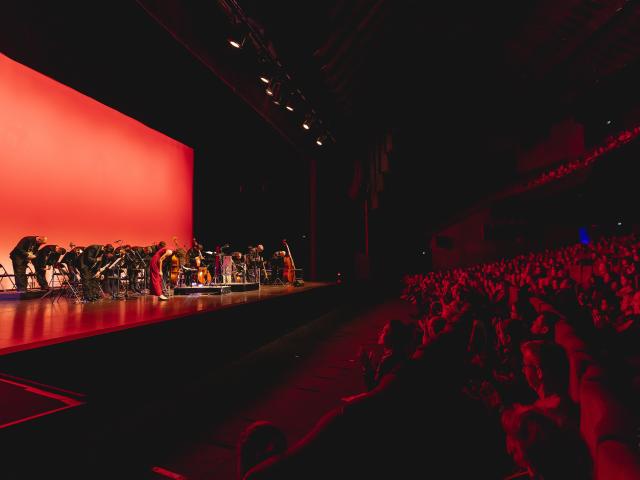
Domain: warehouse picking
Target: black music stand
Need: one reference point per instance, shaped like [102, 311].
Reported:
[68, 288]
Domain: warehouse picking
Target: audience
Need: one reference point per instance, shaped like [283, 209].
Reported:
[485, 372]
[397, 340]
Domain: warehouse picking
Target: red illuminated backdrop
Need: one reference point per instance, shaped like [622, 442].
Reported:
[76, 170]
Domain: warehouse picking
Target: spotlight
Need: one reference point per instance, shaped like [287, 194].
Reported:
[237, 41]
[279, 94]
[237, 34]
[290, 104]
[308, 121]
[320, 140]
[266, 70]
[273, 90]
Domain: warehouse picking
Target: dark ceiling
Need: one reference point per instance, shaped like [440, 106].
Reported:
[504, 67]
[464, 85]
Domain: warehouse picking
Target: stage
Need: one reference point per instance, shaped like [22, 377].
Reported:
[107, 373]
[35, 323]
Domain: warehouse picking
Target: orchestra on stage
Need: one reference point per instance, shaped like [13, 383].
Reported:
[119, 271]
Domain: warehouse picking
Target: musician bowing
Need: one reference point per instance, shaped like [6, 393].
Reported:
[23, 253]
[70, 263]
[88, 266]
[109, 273]
[46, 258]
[134, 263]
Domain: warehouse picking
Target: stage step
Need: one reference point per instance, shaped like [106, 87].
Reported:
[202, 290]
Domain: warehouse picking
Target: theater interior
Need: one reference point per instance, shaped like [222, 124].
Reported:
[455, 180]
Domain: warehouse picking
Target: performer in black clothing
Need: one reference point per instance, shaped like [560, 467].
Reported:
[148, 254]
[46, 257]
[133, 263]
[88, 266]
[194, 261]
[277, 264]
[109, 280]
[143, 257]
[21, 255]
[255, 264]
[70, 261]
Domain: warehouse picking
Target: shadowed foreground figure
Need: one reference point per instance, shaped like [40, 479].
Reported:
[260, 441]
[544, 448]
[415, 423]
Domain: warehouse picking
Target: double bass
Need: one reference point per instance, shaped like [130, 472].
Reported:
[203, 276]
[289, 270]
[177, 260]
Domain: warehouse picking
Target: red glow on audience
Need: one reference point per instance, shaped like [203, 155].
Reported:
[76, 170]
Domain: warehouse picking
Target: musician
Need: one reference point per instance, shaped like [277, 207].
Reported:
[239, 267]
[88, 263]
[21, 255]
[70, 262]
[181, 254]
[194, 261]
[255, 262]
[46, 257]
[217, 264]
[148, 253]
[157, 246]
[277, 264]
[134, 263]
[156, 268]
[109, 279]
[125, 254]
[166, 266]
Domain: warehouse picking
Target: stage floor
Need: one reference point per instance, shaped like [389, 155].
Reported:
[29, 324]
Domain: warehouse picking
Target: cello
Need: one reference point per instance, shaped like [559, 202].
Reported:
[289, 270]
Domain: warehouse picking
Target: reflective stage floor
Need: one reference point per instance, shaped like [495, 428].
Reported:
[29, 324]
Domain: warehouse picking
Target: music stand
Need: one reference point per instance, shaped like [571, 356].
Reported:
[55, 273]
[31, 278]
[140, 266]
[67, 286]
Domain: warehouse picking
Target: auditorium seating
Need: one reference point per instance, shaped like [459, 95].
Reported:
[480, 334]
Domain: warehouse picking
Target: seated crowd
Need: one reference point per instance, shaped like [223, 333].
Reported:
[522, 368]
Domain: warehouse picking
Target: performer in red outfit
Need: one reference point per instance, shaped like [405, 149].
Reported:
[155, 269]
